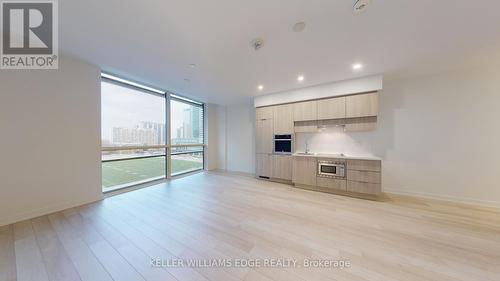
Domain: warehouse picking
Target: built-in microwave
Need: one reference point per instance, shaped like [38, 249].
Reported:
[331, 169]
[283, 144]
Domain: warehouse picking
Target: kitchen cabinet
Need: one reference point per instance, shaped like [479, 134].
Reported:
[264, 136]
[306, 127]
[363, 105]
[363, 187]
[304, 170]
[283, 119]
[263, 165]
[305, 111]
[333, 108]
[364, 165]
[330, 183]
[361, 124]
[282, 167]
[364, 176]
[262, 113]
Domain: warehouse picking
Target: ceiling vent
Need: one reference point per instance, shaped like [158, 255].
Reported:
[257, 43]
[361, 6]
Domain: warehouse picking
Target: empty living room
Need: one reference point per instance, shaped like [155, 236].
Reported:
[278, 140]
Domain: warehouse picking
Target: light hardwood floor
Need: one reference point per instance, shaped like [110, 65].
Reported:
[216, 215]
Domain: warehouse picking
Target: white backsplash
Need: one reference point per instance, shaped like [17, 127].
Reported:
[332, 140]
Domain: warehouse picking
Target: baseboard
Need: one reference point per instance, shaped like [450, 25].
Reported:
[453, 199]
[46, 210]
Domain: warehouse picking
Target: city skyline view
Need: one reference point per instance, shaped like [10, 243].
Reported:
[130, 117]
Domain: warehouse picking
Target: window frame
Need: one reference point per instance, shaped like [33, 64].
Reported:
[202, 145]
[168, 96]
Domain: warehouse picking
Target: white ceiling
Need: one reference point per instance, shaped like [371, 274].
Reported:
[154, 41]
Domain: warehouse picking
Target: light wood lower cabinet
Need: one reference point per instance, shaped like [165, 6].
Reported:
[304, 170]
[330, 183]
[263, 165]
[282, 167]
[364, 165]
[363, 187]
[364, 176]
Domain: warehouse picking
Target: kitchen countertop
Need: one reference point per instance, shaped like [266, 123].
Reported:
[338, 156]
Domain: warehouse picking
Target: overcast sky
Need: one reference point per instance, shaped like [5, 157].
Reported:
[125, 107]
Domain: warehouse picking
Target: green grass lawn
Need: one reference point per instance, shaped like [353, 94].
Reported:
[122, 172]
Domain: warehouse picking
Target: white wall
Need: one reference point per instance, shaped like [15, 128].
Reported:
[240, 138]
[50, 139]
[439, 135]
[237, 138]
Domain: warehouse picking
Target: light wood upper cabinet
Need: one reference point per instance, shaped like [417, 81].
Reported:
[264, 136]
[305, 111]
[363, 105]
[304, 170]
[282, 167]
[263, 165]
[283, 119]
[333, 108]
[264, 113]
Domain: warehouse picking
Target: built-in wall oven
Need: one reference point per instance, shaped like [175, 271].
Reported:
[283, 144]
[331, 169]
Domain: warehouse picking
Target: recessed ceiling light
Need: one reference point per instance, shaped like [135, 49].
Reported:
[260, 87]
[299, 27]
[192, 65]
[300, 78]
[357, 66]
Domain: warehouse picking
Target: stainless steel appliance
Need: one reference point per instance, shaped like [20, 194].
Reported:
[331, 169]
[283, 144]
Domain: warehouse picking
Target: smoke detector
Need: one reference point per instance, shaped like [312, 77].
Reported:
[360, 6]
[257, 43]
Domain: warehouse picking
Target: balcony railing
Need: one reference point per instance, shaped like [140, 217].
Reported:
[124, 166]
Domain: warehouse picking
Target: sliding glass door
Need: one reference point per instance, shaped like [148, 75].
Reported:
[136, 144]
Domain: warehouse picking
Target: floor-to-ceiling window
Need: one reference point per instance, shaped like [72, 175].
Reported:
[136, 146]
[187, 135]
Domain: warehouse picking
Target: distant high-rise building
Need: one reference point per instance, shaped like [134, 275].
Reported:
[145, 133]
[197, 123]
[187, 123]
[191, 130]
[158, 128]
